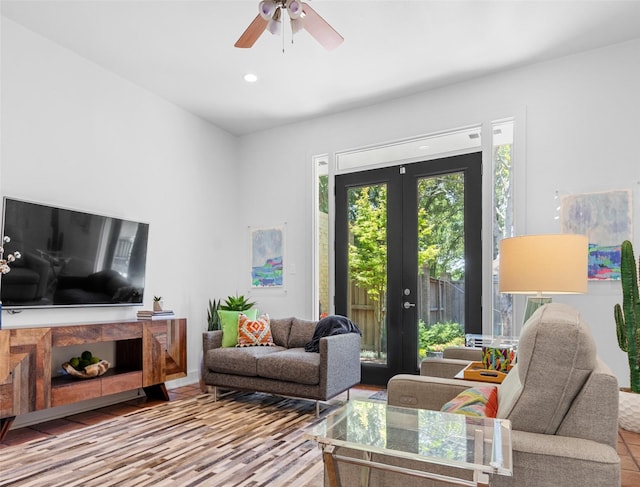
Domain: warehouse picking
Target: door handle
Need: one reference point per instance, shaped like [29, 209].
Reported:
[407, 305]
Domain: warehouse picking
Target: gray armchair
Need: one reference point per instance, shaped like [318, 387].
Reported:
[561, 399]
[453, 360]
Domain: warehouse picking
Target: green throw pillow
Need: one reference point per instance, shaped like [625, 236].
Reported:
[229, 325]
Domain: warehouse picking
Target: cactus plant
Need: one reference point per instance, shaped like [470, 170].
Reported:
[627, 315]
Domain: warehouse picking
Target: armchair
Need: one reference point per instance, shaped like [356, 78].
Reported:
[453, 360]
[561, 399]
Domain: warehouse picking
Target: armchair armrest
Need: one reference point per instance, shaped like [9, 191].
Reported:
[446, 368]
[454, 360]
[472, 354]
[339, 363]
[585, 462]
[424, 392]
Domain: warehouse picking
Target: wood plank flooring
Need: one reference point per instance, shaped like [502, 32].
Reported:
[628, 443]
[244, 440]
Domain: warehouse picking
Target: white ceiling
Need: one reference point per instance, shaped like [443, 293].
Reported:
[183, 50]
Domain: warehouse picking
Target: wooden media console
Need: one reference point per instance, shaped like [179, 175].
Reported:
[147, 353]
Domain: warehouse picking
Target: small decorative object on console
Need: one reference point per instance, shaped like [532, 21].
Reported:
[4, 264]
[86, 366]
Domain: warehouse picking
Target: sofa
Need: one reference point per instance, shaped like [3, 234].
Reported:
[561, 399]
[286, 368]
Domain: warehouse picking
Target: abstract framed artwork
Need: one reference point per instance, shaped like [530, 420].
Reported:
[605, 218]
[267, 256]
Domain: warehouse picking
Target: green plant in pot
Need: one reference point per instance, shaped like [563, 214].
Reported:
[228, 313]
[213, 319]
[237, 303]
[628, 332]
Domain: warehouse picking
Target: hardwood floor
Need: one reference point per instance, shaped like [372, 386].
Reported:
[628, 443]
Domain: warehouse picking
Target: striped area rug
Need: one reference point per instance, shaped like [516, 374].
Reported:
[243, 440]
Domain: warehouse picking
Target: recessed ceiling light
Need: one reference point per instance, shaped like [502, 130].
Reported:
[250, 78]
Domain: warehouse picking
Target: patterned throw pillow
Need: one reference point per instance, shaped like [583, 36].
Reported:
[229, 325]
[478, 401]
[253, 333]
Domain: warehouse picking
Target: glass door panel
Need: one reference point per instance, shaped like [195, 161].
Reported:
[441, 263]
[367, 268]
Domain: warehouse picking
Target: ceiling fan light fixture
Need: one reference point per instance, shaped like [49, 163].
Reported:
[267, 8]
[297, 25]
[275, 24]
[301, 15]
[294, 8]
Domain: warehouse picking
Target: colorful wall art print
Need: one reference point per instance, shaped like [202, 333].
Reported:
[605, 218]
[267, 257]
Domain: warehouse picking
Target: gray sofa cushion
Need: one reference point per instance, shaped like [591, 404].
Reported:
[556, 355]
[301, 333]
[239, 361]
[280, 329]
[293, 365]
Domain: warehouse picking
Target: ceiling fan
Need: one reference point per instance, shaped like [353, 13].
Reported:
[302, 16]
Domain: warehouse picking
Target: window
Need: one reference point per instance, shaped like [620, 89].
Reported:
[503, 220]
[321, 240]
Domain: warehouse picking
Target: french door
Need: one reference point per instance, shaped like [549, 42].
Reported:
[408, 254]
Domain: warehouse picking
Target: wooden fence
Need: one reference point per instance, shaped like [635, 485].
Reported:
[439, 301]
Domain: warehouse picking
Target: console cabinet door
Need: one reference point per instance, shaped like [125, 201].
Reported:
[6, 382]
[25, 370]
[164, 351]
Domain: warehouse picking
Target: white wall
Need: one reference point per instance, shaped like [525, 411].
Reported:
[581, 124]
[77, 136]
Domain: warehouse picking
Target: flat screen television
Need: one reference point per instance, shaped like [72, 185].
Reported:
[71, 258]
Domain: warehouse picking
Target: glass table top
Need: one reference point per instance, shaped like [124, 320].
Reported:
[482, 444]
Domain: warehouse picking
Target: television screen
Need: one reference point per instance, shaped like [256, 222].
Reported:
[71, 258]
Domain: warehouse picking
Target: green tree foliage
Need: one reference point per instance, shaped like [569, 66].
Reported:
[503, 197]
[503, 224]
[440, 236]
[323, 194]
[438, 336]
[368, 249]
[441, 218]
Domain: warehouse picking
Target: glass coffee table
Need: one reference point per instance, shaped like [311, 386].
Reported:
[479, 445]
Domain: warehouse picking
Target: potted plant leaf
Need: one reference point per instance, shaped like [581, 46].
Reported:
[237, 303]
[628, 333]
[213, 319]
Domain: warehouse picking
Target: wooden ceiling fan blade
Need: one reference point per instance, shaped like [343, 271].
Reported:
[255, 30]
[320, 29]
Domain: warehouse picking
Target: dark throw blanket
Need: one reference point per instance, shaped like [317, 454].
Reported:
[331, 325]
